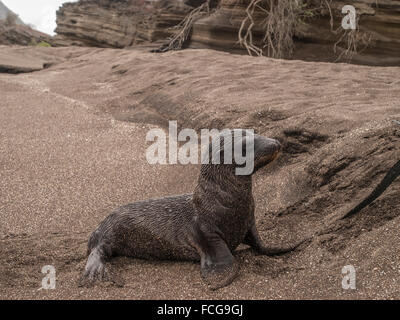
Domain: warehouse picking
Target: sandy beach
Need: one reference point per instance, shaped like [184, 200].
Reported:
[72, 148]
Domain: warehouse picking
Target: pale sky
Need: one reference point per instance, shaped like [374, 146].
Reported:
[40, 13]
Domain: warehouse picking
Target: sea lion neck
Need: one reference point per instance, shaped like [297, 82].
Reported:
[219, 183]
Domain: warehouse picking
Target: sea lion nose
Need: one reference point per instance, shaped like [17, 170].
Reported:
[266, 146]
[273, 146]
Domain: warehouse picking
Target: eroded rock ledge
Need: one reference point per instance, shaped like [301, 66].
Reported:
[378, 19]
[21, 35]
[122, 23]
[118, 23]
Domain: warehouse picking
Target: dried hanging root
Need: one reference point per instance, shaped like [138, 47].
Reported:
[352, 39]
[282, 19]
[246, 40]
[280, 27]
[184, 28]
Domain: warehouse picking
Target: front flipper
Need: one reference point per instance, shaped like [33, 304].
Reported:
[253, 240]
[218, 266]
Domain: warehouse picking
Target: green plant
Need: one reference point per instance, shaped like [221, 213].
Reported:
[43, 44]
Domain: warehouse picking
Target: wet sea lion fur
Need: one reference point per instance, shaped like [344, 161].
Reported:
[205, 226]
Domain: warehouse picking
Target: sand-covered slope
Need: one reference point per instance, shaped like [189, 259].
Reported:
[72, 145]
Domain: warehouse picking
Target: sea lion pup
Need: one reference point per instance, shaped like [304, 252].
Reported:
[206, 225]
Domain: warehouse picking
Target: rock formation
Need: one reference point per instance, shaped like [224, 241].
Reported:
[19, 64]
[117, 24]
[378, 19]
[17, 32]
[21, 35]
[122, 23]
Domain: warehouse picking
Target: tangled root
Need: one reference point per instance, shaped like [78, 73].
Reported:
[184, 28]
[283, 19]
[281, 23]
[354, 41]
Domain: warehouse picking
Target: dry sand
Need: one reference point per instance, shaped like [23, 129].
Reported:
[72, 148]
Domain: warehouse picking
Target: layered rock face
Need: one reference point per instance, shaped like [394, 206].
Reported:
[21, 35]
[379, 20]
[118, 23]
[17, 32]
[122, 23]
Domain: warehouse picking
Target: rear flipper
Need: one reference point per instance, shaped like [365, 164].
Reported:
[96, 270]
[254, 240]
[218, 266]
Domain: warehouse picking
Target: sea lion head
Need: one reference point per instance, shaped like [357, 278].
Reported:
[266, 150]
[240, 152]
[228, 184]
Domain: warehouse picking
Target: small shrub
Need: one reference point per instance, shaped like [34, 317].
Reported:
[43, 44]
